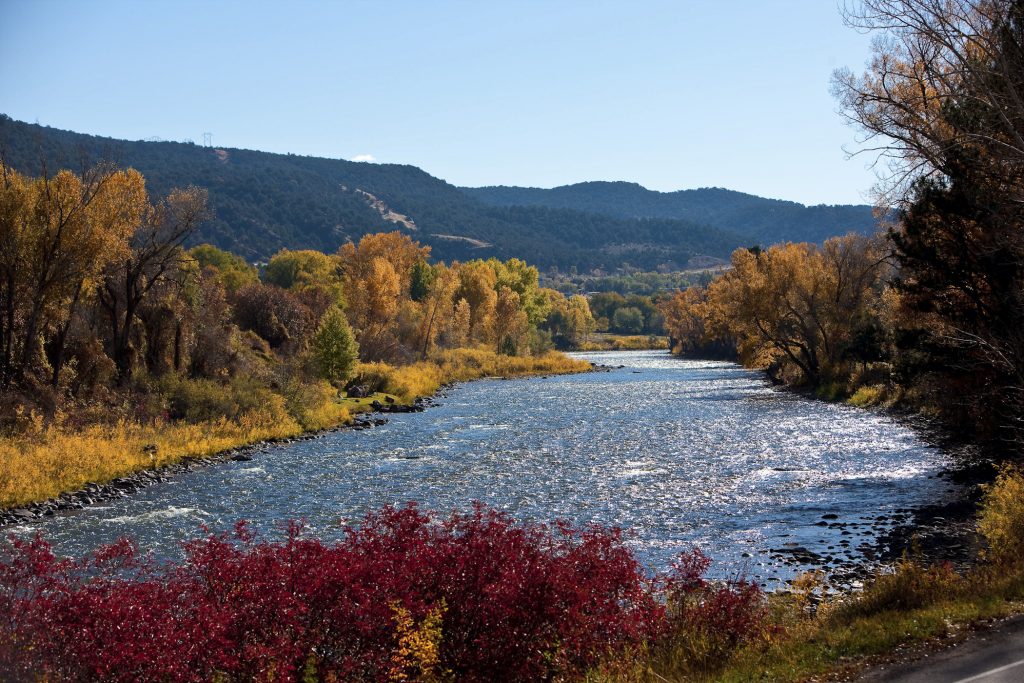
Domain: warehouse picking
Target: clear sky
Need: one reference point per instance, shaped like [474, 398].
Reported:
[670, 94]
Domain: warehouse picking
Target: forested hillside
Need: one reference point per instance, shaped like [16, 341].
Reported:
[760, 220]
[263, 202]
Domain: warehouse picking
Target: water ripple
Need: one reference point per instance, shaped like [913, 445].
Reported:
[685, 453]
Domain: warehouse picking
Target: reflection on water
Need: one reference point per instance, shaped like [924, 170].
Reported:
[677, 453]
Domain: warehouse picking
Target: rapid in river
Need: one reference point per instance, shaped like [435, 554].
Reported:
[677, 453]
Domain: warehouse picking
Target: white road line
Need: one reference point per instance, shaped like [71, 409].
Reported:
[989, 673]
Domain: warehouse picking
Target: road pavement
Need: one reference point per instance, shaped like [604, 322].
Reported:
[994, 655]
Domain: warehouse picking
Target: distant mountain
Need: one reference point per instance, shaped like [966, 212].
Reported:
[759, 220]
[263, 202]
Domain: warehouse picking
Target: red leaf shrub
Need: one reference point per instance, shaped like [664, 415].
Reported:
[705, 619]
[520, 603]
[406, 596]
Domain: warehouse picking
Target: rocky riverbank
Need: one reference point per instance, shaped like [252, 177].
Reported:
[121, 487]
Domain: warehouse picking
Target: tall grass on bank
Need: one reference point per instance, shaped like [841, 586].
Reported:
[460, 365]
[617, 342]
[204, 417]
[911, 603]
[43, 463]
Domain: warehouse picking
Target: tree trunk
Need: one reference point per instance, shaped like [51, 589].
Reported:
[60, 340]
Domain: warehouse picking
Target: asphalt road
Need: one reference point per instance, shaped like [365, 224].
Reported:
[990, 656]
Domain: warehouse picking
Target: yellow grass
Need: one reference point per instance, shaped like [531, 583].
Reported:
[43, 462]
[615, 342]
[408, 382]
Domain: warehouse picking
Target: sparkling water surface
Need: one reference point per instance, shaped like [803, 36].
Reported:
[677, 453]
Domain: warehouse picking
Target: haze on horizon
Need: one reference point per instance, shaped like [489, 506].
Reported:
[731, 95]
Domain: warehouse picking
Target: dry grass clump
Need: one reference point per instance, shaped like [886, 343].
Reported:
[1002, 516]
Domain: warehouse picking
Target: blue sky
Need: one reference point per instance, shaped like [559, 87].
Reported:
[671, 95]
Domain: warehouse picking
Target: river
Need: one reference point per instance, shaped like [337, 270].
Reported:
[677, 453]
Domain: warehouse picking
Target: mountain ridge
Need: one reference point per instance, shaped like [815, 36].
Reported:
[762, 219]
[265, 201]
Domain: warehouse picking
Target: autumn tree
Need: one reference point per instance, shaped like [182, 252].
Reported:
[155, 257]
[569, 321]
[401, 252]
[455, 331]
[57, 234]
[439, 307]
[477, 287]
[212, 347]
[796, 305]
[687, 322]
[942, 104]
[166, 319]
[510, 322]
[306, 269]
[580, 323]
[522, 279]
[375, 309]
[276, 315]
[377, 275]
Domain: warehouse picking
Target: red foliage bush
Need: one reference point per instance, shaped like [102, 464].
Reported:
[518, 603]
[727, 612]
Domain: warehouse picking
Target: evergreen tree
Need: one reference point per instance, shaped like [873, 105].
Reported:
[423, 276]
[334, 347]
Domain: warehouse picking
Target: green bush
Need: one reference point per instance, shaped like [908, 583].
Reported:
[202, 400]
[867, 396]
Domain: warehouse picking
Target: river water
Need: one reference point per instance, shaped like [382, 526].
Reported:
[677, 453]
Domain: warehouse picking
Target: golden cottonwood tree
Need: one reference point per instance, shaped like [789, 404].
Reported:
[456, 330]
[375, 309]
[377, 277]
[569, 321]
[510, 322]
[688, 325]
[397, 249]
[57, 234]
[477, 283]
[795, 304]
[156, 258]
[439, 306]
